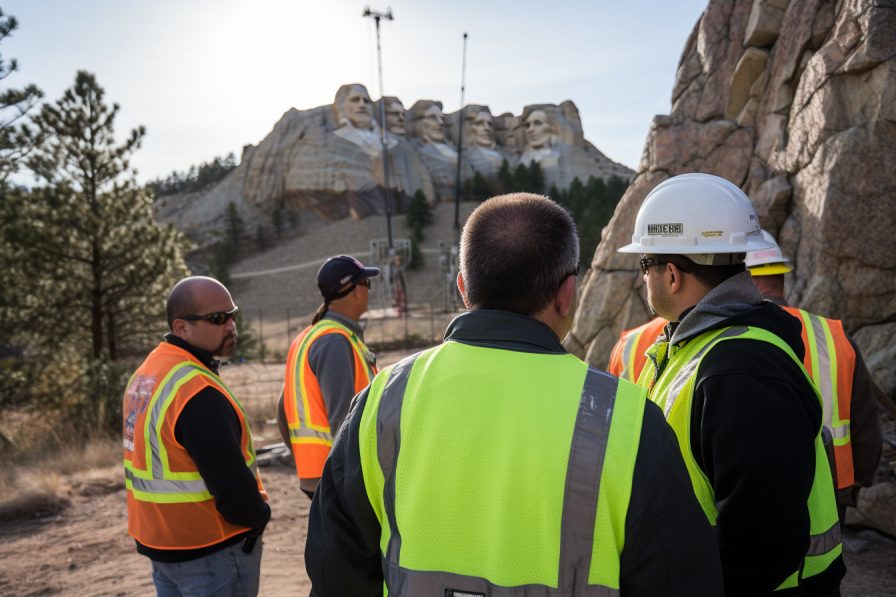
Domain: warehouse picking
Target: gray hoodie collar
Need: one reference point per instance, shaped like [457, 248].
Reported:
[734, 296]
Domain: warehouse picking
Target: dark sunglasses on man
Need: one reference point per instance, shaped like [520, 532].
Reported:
[219, 318]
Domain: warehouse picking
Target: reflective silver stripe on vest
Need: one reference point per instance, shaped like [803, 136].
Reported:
[388, 444]
[825, 542]
[627, 349]
[157, 470]
[411, 583]
[305, 432]
[164, 485]
[586, 459]
[840, 432]
[825, 385]
[586, 463]
[690, 368]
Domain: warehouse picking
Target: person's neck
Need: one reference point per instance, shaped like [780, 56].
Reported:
[552, 319]
[348, 311]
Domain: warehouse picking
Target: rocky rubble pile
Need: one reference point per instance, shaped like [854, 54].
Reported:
[795, 102]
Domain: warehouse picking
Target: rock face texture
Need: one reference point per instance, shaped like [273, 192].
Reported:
[795, 102]
[330, 158]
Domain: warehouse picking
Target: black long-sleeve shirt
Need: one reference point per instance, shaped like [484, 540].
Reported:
[209, 429]
[753, 425]
[669, 547]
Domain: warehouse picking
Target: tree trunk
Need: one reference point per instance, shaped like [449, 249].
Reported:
[111, 335]
[97, 306]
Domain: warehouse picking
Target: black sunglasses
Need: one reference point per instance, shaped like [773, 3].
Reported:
[648, 262]
[219, 318]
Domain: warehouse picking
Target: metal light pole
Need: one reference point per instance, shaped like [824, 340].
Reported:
[376, 15]
[460, 146]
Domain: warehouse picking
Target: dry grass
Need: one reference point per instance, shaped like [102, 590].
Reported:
[34, 485]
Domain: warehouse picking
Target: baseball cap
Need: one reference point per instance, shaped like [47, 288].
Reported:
[340, 273]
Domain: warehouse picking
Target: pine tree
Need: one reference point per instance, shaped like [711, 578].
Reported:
[555, 194]
[505, 177]
[416, 254]
[479, 188]
[99, 266]
[521, 182]
[536, 178]
[419, 214]
[17, 140]
[223, 255]
[234, 224]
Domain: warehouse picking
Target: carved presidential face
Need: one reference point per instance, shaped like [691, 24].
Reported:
[357, 108]
[483, 130]
[538, 129]
[431, 124]
[395, 117]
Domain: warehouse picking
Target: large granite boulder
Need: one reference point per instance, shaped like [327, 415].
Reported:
[794, 101]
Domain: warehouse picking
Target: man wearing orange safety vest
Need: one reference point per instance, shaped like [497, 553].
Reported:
[196, 505]
[838, 370]
[629, 355]
[328, 363]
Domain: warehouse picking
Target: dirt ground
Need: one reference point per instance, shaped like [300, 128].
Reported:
[85, 548]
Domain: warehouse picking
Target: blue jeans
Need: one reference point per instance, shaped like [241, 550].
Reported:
[226, 573]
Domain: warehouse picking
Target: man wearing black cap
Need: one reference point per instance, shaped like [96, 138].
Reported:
[327, 365]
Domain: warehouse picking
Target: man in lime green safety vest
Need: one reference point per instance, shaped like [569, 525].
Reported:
[497, 463]
[729, 377]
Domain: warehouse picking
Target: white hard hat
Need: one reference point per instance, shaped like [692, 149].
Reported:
[698, 215]
[767, 262]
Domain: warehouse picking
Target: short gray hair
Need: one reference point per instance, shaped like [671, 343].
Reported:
[515, 251]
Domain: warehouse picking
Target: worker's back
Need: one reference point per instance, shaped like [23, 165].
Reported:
[500, 431]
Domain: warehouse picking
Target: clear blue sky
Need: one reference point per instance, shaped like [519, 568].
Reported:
[207, 76]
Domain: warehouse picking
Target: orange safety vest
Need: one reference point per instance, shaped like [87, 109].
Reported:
[628, 357]
[831, 361]
[169, 505]
[306, 411]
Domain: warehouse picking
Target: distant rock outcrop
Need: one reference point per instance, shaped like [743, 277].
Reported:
[330, 158]
[794, 101]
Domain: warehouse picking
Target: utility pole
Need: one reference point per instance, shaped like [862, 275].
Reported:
[376, 16]
[460, 147]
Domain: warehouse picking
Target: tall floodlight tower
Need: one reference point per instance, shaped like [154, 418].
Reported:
[460, 146]
[376, 16]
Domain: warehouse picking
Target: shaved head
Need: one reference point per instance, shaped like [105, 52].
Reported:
[202, 296]
[190, 297]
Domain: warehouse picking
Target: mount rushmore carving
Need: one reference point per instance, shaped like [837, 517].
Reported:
[330, 158]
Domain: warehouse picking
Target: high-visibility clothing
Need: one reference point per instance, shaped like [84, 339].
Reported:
[831, 361]
[306, 411]
[535, 505]
[629, 355]
[673, 391]
[169, 506]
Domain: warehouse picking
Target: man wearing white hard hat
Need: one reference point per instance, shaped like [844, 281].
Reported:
[728, 375]
[836, 366]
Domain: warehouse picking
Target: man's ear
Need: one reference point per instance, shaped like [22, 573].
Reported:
[675, 276]
[463, 290]
[179, 328]
[565, 295]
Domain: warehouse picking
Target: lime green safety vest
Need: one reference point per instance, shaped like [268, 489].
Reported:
[673, 391]
[495, 472]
